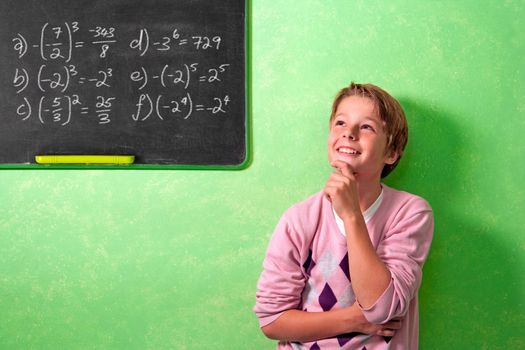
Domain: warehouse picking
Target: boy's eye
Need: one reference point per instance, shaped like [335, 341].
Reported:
[339, 122]
[367, 127]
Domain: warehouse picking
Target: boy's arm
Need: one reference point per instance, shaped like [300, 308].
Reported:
[302, 326]
[369, 274]
[385, 279]
[282, 280]
[403, 250]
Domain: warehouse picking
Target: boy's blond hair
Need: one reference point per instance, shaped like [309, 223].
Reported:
[391, 114]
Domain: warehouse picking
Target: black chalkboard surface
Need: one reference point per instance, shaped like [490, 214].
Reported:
[164, 80]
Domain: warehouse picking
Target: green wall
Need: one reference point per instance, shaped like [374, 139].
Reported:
[169, 259]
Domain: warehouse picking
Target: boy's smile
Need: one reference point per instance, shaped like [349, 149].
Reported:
[357, 137]
[347, 150]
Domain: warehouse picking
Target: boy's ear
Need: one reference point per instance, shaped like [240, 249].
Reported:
[391, 157]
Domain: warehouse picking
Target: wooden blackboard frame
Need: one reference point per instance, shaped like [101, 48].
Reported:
[247, 130]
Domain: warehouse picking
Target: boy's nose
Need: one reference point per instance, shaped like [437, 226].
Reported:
[349, 134]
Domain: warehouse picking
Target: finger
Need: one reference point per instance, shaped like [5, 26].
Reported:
[343, 167]
[329, 192]
[334, 188]
[392, 325]
[333, 191]
[338, 180]
[386, 332]
[337, 184]
[338, 176]
[397, 320]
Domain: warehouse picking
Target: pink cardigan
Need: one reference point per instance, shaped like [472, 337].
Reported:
[306, 268]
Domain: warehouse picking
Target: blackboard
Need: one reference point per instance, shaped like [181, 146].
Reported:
[164, 80]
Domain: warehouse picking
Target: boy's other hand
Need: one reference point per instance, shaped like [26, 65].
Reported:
[361, 325]
[341, 190]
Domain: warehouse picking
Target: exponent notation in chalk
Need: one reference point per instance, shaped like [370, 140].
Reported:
[60, 41]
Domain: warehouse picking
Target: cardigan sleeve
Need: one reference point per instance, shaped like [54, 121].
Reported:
[282, 280]
[403, 249]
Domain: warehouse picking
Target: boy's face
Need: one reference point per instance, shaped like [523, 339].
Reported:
[357, 137]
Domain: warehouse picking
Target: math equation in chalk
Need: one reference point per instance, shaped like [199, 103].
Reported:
[70, 73]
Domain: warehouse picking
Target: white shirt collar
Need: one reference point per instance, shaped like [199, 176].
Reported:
[367, 215]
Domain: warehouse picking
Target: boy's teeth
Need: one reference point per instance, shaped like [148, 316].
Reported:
[347, 150]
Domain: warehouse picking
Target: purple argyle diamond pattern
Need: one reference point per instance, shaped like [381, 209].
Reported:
[345, 267]
[342, 339]
[315, 347]
[309, 264]
[387, 339]
[327, 298]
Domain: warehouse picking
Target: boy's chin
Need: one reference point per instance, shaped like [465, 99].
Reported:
[341, 159]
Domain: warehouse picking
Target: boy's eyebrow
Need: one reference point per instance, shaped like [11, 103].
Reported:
[373, 119]
[379, 121]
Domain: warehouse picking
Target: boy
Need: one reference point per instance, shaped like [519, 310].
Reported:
[343, 267]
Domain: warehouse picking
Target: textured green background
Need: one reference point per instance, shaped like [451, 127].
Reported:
[169, 259]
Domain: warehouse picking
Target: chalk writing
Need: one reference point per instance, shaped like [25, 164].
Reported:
[163, 90]
[172, 41]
